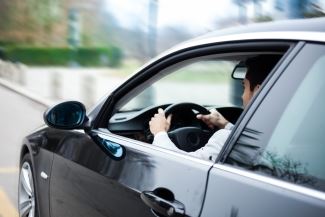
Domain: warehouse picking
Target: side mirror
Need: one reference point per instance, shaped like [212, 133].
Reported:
[67, 115]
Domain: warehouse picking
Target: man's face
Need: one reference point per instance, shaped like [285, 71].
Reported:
[248, 94]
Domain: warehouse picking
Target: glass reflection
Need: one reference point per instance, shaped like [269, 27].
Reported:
[114, 150]
[286, 168]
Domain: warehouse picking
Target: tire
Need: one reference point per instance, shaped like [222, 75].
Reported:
[26, 189]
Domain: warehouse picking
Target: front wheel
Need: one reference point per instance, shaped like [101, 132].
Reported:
[26, 190]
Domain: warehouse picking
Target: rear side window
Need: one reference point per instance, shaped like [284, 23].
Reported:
[286, 138]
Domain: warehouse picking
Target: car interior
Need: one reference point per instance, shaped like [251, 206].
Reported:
[184, 90]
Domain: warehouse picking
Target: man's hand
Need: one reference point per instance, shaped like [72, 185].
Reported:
[159, 123]
[214, 119]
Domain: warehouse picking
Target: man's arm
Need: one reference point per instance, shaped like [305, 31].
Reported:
[209, 152]
[212, 149]
[159, 125]
[161, 139]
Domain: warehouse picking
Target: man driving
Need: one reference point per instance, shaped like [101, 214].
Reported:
[257, 70]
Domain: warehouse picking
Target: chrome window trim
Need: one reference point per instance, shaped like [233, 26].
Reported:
[272, 181]
[277, 35]
[139, 145]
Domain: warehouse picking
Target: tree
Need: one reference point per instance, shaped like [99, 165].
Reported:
[29, 21]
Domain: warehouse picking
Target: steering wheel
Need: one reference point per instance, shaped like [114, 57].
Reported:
[188, 138]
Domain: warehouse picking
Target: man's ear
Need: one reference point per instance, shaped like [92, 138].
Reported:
[256, 88]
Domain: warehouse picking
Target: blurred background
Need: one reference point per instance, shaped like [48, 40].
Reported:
[81, 49]
[55, 50]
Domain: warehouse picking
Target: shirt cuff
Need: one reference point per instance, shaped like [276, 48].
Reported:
[229, 126]
[161, 133]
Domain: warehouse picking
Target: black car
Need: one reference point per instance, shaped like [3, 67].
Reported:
[102, 163]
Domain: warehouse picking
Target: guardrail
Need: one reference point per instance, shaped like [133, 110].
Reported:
[12, 77]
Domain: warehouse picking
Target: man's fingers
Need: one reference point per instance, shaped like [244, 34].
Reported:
[160, 111]
[169, 118]
[203, 117]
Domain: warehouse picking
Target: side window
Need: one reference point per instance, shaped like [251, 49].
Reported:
[191, 82]
[285, 137]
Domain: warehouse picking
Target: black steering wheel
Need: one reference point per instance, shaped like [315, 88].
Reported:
[189, 138]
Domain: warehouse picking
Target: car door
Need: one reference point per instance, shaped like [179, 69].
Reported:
[275, 166]
[93, 184]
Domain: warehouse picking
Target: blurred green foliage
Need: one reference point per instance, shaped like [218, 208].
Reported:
[261, 19]
[205, 71]
[84, 56]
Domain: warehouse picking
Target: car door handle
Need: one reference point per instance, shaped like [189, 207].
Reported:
[162, 203]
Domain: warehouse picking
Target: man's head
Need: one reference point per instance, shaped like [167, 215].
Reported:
[257, 70]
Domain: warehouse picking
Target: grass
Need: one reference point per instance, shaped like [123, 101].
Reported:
[203, 72]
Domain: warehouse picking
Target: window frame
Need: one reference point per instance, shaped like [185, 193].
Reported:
[109, 106]
[256, 105]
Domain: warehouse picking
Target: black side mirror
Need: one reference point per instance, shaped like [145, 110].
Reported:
[67, 115]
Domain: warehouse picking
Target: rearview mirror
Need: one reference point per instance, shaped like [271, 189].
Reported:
[67, 115]
[239, 72]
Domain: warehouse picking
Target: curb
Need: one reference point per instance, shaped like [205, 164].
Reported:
[26, 93]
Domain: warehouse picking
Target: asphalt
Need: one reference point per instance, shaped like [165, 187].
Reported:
[19, 115]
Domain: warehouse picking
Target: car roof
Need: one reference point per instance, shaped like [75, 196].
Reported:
[297, 25]
[312, 29]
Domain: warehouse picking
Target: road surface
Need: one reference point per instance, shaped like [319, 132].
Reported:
[19, 116]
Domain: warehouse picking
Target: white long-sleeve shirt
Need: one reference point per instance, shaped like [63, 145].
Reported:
[208, 152]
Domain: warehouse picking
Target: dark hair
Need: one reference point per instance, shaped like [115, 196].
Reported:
[259, 67]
